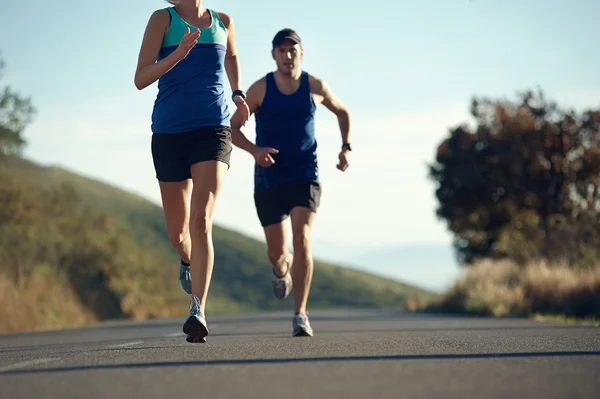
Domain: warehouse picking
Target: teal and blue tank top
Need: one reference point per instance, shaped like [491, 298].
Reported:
[192, 94]
[287, 123]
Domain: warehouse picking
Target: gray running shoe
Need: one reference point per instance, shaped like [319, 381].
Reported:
[282, 286]
[185, 278]
[302, 326]
[195, 325]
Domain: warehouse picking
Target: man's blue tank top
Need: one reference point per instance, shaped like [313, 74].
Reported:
[287, 123]
[192, 93]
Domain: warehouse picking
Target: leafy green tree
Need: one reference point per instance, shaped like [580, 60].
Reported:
[520, 182]
[16, 112]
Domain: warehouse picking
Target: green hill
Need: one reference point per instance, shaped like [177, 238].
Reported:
[110, 247]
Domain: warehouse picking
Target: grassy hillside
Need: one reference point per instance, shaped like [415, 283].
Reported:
[132, 271]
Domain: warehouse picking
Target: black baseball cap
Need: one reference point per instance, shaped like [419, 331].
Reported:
[284, 34]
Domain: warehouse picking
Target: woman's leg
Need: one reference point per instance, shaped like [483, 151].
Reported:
[175, 182]
[207, 179]
[209, 158]
[176, 206]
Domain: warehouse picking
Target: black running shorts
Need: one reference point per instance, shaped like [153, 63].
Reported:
[174, 153]
[274, 204]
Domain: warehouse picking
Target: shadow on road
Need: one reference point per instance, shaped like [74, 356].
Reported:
[234, 362]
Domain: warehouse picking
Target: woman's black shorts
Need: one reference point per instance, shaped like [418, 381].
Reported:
[174, 153]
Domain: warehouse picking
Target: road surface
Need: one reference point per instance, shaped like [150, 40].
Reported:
[354, 354]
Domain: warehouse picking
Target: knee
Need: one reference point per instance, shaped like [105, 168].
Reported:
[301, 239]
[178, 239]
[200, 224]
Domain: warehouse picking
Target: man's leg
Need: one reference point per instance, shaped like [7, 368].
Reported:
[302, 270]
[273, 218]
[280, 257]
[305, 198]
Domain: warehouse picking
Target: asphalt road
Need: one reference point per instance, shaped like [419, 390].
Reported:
[354, 354]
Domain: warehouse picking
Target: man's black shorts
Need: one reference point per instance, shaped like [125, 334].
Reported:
[174, 153]
[274, 204]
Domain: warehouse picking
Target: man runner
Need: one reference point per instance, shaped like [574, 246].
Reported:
[286, 183]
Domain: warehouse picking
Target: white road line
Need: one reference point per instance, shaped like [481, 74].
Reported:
[27, 363]
[125, 344]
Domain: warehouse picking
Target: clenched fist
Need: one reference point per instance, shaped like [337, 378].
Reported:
[263, 156]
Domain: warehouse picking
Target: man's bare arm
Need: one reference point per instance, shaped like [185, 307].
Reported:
[253, 99]
[335, 105]
[262, 155]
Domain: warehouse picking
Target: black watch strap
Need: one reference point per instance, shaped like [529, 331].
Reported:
[346, 146]
[238, 93]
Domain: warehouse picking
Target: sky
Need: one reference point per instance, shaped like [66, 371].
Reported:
[406, 69]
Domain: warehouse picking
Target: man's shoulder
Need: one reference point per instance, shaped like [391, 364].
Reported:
[259, 85]
[256, 92]
[311, 77]
[261, 81]
[316, 84]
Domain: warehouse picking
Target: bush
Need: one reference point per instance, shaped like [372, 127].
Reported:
[504, 288]
[523, 184]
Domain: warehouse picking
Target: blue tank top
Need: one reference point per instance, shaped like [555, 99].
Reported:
[287, 123]
[192, 93]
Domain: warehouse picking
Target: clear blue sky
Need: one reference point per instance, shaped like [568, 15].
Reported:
[407, 70]
[378, 55]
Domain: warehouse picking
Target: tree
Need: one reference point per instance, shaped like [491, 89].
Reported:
[16, 112]
[520, 182]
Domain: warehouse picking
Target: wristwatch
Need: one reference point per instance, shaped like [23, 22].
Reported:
[346, 146]
[238, 93]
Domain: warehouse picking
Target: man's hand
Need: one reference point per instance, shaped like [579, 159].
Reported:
[243, 108]
[263, 156]
[344, 160]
